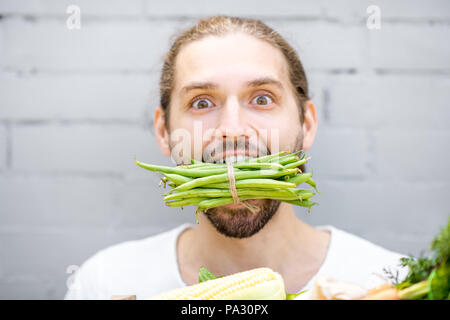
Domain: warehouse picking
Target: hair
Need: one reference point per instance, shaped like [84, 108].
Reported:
[220, 26]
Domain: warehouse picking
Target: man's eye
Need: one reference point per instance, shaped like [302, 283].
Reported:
[202, 104]
[262, 100]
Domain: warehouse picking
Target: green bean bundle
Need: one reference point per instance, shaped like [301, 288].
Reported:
[208, 185]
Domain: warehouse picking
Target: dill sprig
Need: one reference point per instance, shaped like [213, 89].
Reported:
[428, 277]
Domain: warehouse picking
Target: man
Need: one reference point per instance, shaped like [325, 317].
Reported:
[245, 88]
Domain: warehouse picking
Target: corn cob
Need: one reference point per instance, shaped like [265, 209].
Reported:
[256, 284]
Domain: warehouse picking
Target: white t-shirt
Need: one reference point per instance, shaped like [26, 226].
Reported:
[148, 267]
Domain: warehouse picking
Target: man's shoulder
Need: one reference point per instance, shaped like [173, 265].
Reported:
[345, 240]
[136, 265]
[159, 242]
[355, 259]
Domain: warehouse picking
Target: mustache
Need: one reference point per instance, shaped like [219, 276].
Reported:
[214, 152]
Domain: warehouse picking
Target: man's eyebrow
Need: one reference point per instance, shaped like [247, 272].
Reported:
[252, 83]
[199, 85]
[264, 81]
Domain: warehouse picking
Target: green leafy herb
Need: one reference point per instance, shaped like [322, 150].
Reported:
[428, 277]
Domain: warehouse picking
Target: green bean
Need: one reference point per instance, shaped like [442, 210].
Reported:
[242, 165]
[194, 166]
[213, 193]
[238, 175]
[303, 203]
[206, 185]
[268, 157]
[306, 195]
[273, 159]
[208, 171]
[296, 163]
[244, 183]
[286, 159]
[185, 202]
[312, 183]
[193, 161]
[176, 178]
[254, 183]
[182, 171]
[300, 178]
[211, 203]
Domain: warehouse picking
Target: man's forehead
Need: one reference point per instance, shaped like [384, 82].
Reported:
[235, 58]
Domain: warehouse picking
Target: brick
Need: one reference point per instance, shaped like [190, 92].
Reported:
[139, 203]
[338, 153]
[3, 147]
[65, 96]
[81, 202]
[377, 209]
[414, 243]
[89, 149]
[35, 253]
[57, 201]
[389, 102]
[30, 289]
[232, 7]
[35, 261]
[417, 47]
[415, 9]
[413, 156]
[59, 7]
[346, 10]
[113, 45]
[401, 9]
[324, 46]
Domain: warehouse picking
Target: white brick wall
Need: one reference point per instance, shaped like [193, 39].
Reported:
[39, 211]
[422, 47]
[76, 106]
[389, 101]
[317, 42]
[58, 7]
[345, 156]
[375, 206]
[113, 45]
[380, 209]
[398, 10]
[104, 149]
[412, 155]
[120, 97]
[198, 8]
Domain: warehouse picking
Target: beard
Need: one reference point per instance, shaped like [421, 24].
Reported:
[242, 223]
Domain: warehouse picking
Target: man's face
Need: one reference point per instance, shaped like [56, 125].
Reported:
[232, 96]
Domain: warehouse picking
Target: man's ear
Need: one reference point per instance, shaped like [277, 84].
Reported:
[161, 133]
[309, 125]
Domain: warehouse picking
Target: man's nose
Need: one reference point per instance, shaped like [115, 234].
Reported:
[232, 122]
